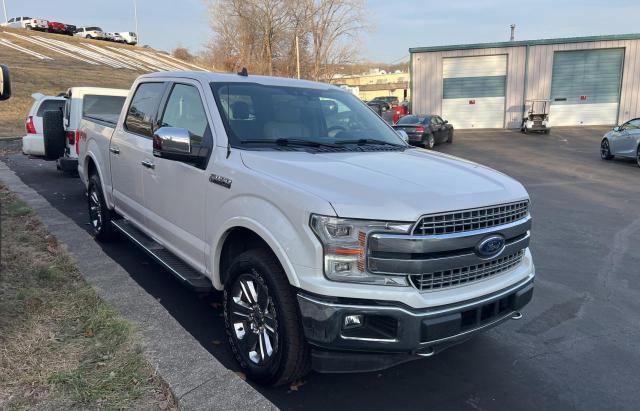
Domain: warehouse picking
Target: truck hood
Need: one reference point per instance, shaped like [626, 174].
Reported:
[390, 186]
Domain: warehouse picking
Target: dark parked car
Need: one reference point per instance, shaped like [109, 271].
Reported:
[71, 30]
[426, 130]
[383, 109]
[391, 100]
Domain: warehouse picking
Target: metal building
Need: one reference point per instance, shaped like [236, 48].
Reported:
[589, 81]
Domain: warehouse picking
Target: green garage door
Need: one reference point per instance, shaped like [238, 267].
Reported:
[585, 87]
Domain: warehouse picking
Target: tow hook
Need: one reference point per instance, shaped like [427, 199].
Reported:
[516, 316]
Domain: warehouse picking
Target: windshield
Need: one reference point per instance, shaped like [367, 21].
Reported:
[93, 29]
[255, 113]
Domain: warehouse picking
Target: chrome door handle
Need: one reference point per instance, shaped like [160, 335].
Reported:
[148, 164]
[114, 150]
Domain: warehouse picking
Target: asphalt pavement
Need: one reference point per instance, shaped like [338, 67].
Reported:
[578, 345]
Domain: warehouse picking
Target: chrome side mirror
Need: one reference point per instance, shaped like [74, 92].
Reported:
[403, 135]
[617, 128]
[171, 140]
[5, 83]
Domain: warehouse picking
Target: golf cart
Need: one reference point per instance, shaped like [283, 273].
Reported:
[537, 119]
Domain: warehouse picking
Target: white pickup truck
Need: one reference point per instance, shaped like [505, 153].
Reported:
[338, 246]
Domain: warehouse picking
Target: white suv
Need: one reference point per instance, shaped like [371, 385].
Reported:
[90, 33]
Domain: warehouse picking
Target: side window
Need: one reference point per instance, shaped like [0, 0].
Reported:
[143, 108]
[184, 109]
[10, 20]
[633, 124]
[435, 120]
[49, 105]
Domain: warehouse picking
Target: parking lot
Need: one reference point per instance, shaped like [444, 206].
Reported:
[577, 345]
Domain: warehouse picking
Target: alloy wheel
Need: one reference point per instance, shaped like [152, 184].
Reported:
[605, 151]
[253, 320]
[95, 210]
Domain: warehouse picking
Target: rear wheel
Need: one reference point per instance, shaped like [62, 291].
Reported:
[262, 322]
[99, 214]
[605, 150]
[428, 141]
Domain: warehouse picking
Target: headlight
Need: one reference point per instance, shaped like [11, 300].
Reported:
[345, 244]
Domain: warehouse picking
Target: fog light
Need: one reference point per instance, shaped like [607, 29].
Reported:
[353, 321]
[341, 267]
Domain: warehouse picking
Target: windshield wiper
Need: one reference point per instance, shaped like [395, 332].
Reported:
[289, 142]
[363, 141]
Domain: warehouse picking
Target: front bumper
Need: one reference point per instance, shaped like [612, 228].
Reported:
[392, 333]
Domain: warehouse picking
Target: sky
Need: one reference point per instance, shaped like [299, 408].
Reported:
[394, 25]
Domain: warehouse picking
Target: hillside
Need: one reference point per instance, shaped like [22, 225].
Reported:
[51, 63]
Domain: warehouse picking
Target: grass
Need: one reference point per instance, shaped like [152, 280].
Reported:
[61, 347]
[30, 75]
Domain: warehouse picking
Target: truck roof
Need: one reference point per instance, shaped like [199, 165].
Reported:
[208, 77]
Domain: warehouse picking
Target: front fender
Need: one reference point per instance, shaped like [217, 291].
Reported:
[291, 240]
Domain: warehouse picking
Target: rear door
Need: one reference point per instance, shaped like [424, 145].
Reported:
[46, 104]
[174, 191]
[128, 150]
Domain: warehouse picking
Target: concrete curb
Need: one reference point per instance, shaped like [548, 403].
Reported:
[196, 378]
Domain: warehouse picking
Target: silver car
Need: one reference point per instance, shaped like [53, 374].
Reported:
[622, 141]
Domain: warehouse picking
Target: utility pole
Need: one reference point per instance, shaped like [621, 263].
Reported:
[513, 32]
[4, 7]
[135, 17]
[297, 56]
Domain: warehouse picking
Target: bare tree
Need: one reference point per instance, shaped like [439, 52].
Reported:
[261, 34]
[334, 27]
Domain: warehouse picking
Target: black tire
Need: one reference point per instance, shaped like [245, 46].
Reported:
[605, 150]
[99, 214]
[89, 37]
[638, 156]
[428, 142]
[450, 139]
[261, 314]
[54, 137]
[525, 130]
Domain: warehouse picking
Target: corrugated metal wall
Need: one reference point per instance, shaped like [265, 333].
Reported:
[541, 66]
[426, 81]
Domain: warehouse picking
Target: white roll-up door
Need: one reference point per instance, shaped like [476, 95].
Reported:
[474, 91]
[585, 87]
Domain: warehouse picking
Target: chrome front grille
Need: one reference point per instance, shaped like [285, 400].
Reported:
[472, 219]
[463, 275]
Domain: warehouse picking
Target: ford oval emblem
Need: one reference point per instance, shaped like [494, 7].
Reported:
[490, 246]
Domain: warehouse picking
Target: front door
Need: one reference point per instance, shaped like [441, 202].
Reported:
[174, 190]
[127, 150]
[625, 141]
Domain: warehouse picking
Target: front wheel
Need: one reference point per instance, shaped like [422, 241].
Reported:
[605, 150]
[262, 322]
[450, 139]
[638, 156]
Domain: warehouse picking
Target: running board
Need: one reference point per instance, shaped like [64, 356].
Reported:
[170, 261]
